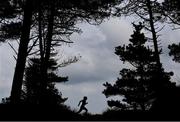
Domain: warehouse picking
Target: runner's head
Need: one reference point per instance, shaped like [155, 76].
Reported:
[85, 98]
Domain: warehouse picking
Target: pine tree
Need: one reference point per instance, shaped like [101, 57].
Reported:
[32, 83]
[136, 85]
[149, 11]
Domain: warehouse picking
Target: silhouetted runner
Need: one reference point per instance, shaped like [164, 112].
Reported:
[82, 107]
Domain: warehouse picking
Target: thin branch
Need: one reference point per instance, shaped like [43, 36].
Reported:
[15, 58]
[34, 43]
[142, 16]
[63, 41]
[13, 48]
[160, 29]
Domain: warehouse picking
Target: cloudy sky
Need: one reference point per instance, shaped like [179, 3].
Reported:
[98, 63]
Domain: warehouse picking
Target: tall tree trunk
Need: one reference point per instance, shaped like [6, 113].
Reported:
[48, 48]
[151, 21]
[22, 54]
[41, 47]
[40, 31]
[158, 85]
[50, 31]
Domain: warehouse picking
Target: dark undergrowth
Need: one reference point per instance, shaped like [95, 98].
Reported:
[45, 113]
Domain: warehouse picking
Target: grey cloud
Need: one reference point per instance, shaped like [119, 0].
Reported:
[96, 46]
[117, 31]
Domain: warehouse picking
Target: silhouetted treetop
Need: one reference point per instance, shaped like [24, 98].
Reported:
[127, 53]
[137, 85]
[149, 12]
